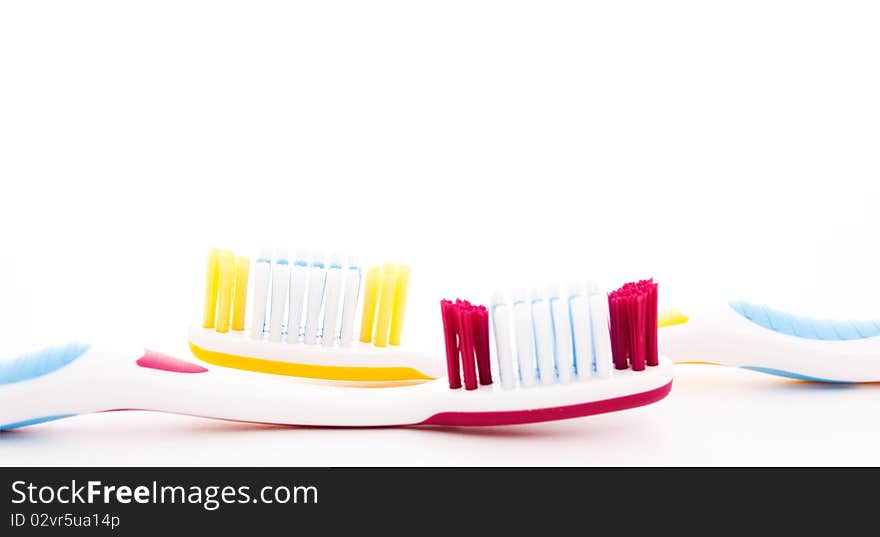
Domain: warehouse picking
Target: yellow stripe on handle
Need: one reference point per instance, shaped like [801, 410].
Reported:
[671, 318]
[371, 294]
[386, 304]
[211, 288]
[330, 372]
[225, 282]
[400, 295]
[242, 267]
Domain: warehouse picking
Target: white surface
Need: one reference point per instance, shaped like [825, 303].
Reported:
[713, 416]
[730, 150]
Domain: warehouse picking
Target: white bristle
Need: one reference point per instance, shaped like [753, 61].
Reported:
[543, 333]
[299, 275]
[317, 278]
[562, 328]
[576, 289]
[555, 334]
[349, 303]
[280, 283]
[579, 308]
[499, 297]
[260, 294]
[525, 341]
[332, 295]
[601, 336]
[501, 320]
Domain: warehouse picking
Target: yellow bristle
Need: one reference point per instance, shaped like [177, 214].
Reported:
[211, 288]
[371, 294]
[242, 267]
[386, 304]
[225, 282]
[397, 314]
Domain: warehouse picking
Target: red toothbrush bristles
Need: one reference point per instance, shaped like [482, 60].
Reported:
[637, 333]
[615, 334]
[633, 321]
[651, 323]
[450, 329]
[481, 340]
[466, 332]
[466, 345]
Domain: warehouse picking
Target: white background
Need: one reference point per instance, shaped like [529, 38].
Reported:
[729, 149]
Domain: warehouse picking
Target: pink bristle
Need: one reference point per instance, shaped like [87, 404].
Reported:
[619, 329]
[481, 344]
[633, 316]
[466, 331]
[637, 331]
[466, 344]
[628, 308]
[651, 323]
[614, 328]
[450, 333]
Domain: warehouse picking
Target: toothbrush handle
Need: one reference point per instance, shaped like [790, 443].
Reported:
[65, 382]
[56, 384]
[61, 382]
[771, 341]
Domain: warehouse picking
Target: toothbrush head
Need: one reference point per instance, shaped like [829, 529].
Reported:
[553, 348]
[554, 354]
[302, 317]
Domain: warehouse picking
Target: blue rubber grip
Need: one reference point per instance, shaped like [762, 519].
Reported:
[806, 327]
[33, 421]
[37, 364]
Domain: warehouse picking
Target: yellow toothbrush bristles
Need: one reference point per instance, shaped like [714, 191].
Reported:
[242, 266]
[385, 294]
[399, 305]
[211, 288]
[225, 290]
[386, 305]
[371, 295]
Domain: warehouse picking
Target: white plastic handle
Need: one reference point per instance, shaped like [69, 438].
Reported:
[100, 380]
[724, 336]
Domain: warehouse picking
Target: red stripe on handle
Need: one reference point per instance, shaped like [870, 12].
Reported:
[163, 362]
[517, 417]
